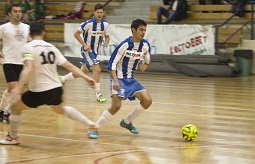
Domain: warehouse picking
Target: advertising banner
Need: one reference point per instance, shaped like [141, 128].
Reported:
[164, 39]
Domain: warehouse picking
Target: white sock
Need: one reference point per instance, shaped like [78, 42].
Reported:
[68, 76]
[97, 89]
[5, 99]
[14, 125]
[138, 109]
[106, 115]
[74, 114]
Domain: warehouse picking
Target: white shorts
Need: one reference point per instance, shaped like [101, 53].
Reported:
[89, 58]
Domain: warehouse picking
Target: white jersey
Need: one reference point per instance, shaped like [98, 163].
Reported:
[126, 57]
[45, 57]
[14, 37]
[93, 33]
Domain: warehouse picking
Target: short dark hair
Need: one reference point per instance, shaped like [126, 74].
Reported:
[36, 28]
[98, 6]
[138, 22]
[13, 5]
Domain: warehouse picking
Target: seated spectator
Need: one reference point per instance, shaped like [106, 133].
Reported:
[26, 10]
[238, 7]
[36, 12]
[202, 2]
[215, 2]
[166, 2]
[177, 11]
[77, 12]
[7, 4]
[227, 1]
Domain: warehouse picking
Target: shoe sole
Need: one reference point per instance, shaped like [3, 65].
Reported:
[5, 143]
[92, 137]
[101, 101]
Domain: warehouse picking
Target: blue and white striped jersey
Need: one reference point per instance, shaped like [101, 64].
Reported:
[126, 57]
[93, 33]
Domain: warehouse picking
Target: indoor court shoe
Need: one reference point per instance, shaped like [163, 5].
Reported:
[6, 117]
[92, 134]
[10, 141]
[101, 99]
[1, 115]
[130, 127]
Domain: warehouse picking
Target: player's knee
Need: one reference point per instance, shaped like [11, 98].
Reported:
[96, 69]
[84, 70]
[146, 103]
[11, 86]
[114, 109]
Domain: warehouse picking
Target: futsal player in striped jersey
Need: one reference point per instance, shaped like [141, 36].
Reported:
[131, 54]
[95, 32]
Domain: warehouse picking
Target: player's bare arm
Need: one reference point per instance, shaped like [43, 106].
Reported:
[116, 85]
[80, 40]
[77, 72]
[143, 67]
[1, 55]
[107, 40]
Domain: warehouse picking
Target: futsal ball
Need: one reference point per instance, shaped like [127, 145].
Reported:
[189, 132]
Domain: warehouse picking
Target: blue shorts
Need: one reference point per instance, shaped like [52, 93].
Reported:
[128, 88]
[89, 58]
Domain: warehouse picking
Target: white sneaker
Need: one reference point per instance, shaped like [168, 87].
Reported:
[10, 141]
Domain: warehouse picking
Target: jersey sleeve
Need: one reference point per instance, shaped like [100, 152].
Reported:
[116, 57]
[27, 53]
[107, 29]
[1, 32]
[147, 55]
[60, 57]
[28, 37]
[83, 27]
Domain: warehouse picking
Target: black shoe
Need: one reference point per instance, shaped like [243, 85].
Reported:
[6, 118]
[1, 116]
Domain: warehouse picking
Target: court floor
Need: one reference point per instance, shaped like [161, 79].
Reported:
[223, 109]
